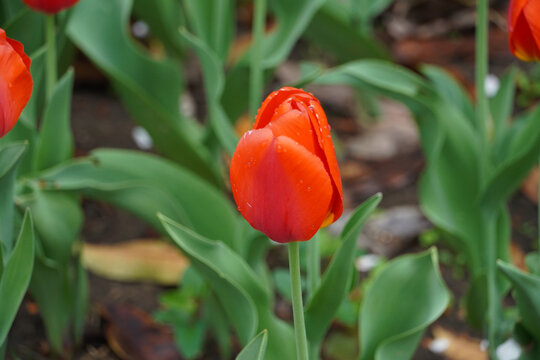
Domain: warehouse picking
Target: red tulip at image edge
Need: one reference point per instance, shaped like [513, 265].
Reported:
[284, 173]
[524, 29]
[50, 6]
[15, 82]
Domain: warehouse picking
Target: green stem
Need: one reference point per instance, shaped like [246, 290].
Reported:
[298, 308]
[538, 204]
[51, 71]
[481, 68]
[314, 278]
[494, 302]
[482, 119]
[256, 69]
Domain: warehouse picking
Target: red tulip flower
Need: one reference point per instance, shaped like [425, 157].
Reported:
[284, 173]
[15, 82]
[524, 29]
[50, 6]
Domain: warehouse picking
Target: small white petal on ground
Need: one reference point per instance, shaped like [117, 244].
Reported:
[142, 138]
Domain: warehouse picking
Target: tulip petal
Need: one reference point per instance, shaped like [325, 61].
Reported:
[271, 103]
[280, 187]
[15, 82]
[514, 10]
[296, 125]
[532, 14]
[50, 6]
[322, 129]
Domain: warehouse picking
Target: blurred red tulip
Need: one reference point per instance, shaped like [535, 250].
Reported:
[284, 173]
[50, 6]
[524, 29]
[15, 82]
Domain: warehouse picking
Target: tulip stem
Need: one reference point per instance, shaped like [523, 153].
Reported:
[51, 70]
[481, 70]
[298, 308]
[314, 278]
[482, 117]
[256, 82]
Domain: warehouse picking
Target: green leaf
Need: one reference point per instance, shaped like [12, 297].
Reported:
[58, 219]
[51, 288]
[238, 288]
[164, 18]
[292, 18]
[336, 280]
[81, 299]
[16, 276]
[55, 142]
[26, 26]
[449, 89]
[234, 282]
[10, 156]
[378, 74]
[213, 22]
[502, 104]
[213, 82]
[527, 296]
[255, 349]
[391, 329]
[150, 89]
[521, 154]
[145, 184]
[332, 30]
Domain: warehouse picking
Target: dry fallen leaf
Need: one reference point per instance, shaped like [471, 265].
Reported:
[138, 260]
[132, 334]
[518, 257]
[530, 185]
[457, 346]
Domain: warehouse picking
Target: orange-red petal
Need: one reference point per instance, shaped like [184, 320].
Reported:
[50, 6]
[320, 123]
[271, 104]
[524, 29]
[15, 82]
[280, 187]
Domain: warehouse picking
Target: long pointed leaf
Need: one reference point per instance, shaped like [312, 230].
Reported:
[256, 348]
[16, 276]
[336, 280]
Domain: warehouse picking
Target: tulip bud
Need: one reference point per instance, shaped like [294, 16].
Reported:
[50, 6]
[15, 82]
[284, 173]
[524, 29]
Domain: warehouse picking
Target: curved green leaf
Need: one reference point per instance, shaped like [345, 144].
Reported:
[149, 88]
[55, 143]
[15, 276]
[232, 279]
[336, 280]
[164, 18]
[10, 156]
[405, 297]
[214, 80]
[238, 288]
[331, 29]
[523, 146]
[255, 349]
[145, 184]
[213, 22]
[527, 295]
[58, 219]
